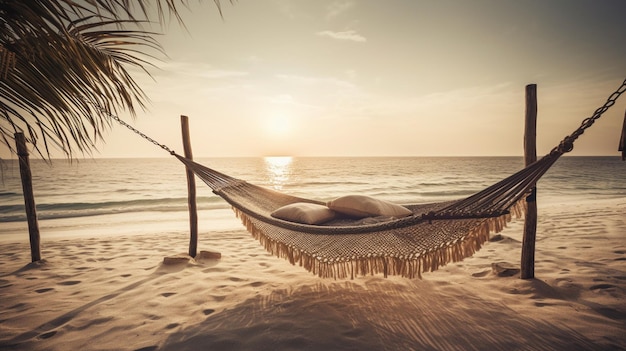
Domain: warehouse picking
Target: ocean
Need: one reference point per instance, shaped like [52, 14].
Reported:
[97, 197]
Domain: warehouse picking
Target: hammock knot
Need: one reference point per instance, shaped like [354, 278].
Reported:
[566, 145]
[428, 215]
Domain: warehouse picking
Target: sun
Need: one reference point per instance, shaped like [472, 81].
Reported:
[278, 125]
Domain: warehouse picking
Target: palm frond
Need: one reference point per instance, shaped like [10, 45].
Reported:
[70, 66]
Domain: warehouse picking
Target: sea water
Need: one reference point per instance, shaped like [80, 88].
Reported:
[97, 197]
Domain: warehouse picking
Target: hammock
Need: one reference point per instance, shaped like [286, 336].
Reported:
[434, 235]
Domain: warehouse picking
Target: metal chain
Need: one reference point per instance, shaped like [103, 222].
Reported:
[567, 144]
[120, 121]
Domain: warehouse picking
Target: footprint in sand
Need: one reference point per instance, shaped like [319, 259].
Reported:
[600, 287]
[70, 282]
[168, 294]
[40, 291]
[218, 298]
[125, 275]
[214, 270]
[480, 274]
[47, 335]
[208, 311]
[172, 326]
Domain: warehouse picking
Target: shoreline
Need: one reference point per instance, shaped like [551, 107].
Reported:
[115, 293]
[211, 220]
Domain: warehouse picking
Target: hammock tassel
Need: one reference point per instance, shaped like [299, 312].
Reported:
[410, 266]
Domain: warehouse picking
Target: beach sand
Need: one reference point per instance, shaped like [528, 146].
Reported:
[115, 293]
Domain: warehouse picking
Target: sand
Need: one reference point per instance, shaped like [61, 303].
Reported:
[115, 293]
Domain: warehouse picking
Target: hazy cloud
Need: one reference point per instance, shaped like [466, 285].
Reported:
[315, 80]
[217, 73]
[345, 35]
[197, 69]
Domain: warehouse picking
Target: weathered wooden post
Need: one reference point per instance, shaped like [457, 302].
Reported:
[530, 156]
[622, 140]
[29, 197]
[191, 190]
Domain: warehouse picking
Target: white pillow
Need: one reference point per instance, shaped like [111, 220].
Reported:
[364, 206]
[304, 212]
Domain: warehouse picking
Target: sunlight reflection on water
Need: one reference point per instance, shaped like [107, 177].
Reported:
[278, 170]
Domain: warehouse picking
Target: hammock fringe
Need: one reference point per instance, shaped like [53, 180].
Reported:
[408, 267]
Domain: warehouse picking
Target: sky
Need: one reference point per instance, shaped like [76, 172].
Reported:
[381, 78]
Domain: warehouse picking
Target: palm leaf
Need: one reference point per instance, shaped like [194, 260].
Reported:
[71, 67]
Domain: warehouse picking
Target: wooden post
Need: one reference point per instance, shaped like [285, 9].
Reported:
[530, 156]
[191, 190]
[29, 197]
[622, 140]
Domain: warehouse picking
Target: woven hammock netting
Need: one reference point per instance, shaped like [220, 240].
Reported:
[434, 235]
